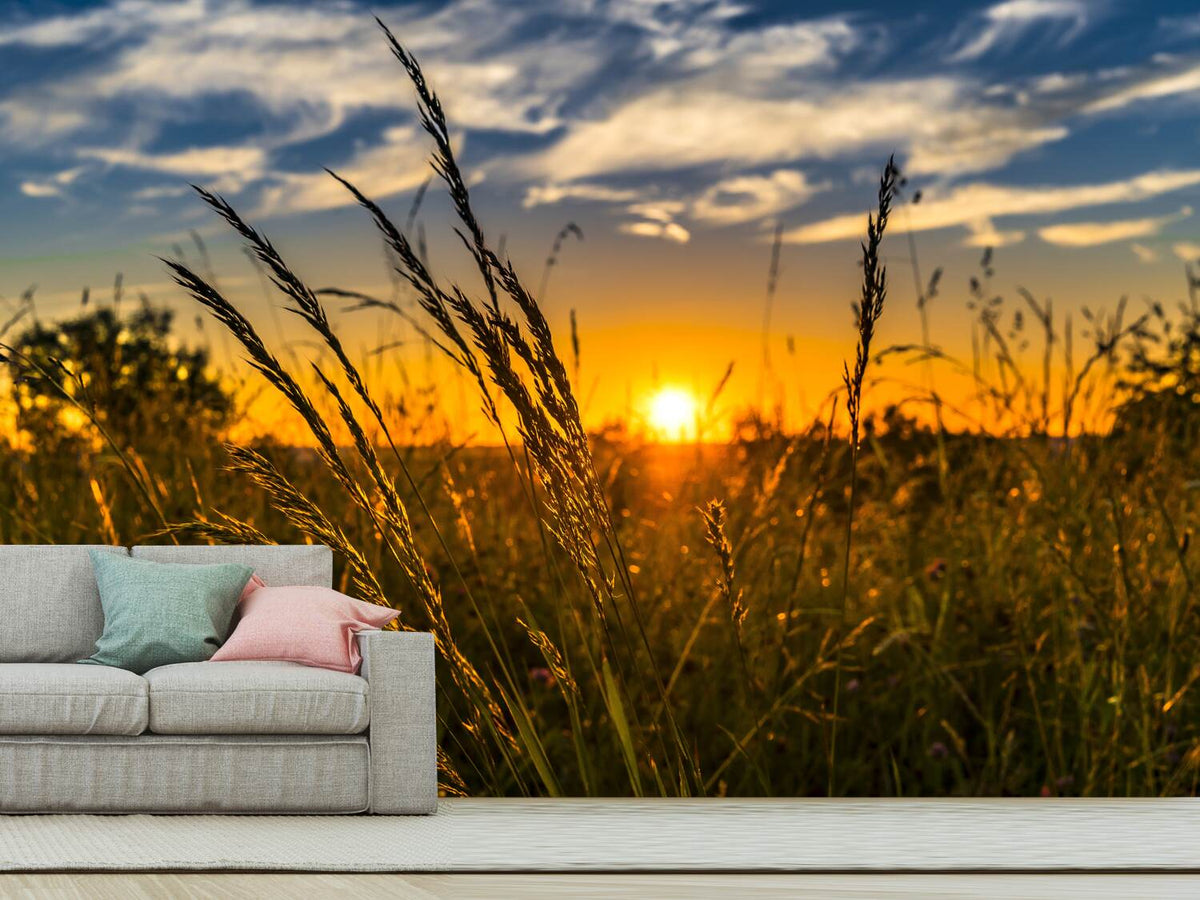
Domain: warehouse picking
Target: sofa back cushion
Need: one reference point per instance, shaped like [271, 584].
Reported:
[49, 604]
[275, 564]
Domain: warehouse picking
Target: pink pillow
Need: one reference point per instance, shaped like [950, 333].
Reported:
[251, 586]
[314, 626]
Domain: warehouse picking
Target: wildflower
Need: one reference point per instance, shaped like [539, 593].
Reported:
[541, 675]
[938, 750]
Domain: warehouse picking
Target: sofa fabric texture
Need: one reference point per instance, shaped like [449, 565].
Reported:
[399, 667]
[255, 698]
[65, 698]
[274, 564]
[49, 604]
[173, 774]
[156, 614]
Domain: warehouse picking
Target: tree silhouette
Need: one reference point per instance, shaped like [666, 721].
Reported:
[126, 371]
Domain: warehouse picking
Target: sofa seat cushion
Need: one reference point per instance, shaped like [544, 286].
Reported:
[251, 697]
[66, 698]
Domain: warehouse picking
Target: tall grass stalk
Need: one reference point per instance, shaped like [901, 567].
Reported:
[867, 312]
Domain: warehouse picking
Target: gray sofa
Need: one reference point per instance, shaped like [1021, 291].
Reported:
[228, 737]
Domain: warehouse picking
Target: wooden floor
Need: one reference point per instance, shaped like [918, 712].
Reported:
[609, 836]
[427, 887]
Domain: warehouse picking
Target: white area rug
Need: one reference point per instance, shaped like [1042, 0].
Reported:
[634, 835]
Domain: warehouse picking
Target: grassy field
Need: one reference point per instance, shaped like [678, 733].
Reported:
[876, 605]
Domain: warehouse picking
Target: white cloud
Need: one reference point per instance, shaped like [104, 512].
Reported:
[684, 90]
[34, 121]
[695, 34]
[983, 233]
[658, 210]
[312, 66]
[398, 164]
[671, 231]
[657, 220]
[1057, 82]
[749, 197]
[196, 161]
[548, 194]
[307, 69]
[160, 192]
[973, 203]
[942, 125]
[1151, 86]
[978, 142]
[940, 120]
[1144, 254]
[1188, 251]
[730, 201]
[1090, 234]
[40, 189]
[53, 186]
[121, 18]
[1006, 23]
[770, 51]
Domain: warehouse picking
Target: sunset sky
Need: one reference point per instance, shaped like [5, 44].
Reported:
[1063, 133]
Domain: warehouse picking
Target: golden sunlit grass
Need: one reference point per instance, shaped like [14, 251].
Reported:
[924, 612]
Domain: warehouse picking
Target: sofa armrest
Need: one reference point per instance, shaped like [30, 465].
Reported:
[399, 666]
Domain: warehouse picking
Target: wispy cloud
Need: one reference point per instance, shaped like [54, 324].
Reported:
[196, 161]
[1153, 86]
[1006, 23]
[398, 164]
[53, 186]
[984, 233]
[943, 123]
[748, 198]
[304, 72]
[670, 231]
[1187, 26]
[40, 189]
[124, 17]
[548, 194]
[969, 204]
[658, 221]
[1091, 234]
[735, 111]
[33, 120]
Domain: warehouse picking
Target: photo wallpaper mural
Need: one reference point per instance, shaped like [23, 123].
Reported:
[753, 398]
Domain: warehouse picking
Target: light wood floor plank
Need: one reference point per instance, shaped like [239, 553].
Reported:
[236, 886]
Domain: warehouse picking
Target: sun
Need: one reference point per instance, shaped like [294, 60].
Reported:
[672, 413]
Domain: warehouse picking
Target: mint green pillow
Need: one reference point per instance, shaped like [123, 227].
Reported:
[156, 614]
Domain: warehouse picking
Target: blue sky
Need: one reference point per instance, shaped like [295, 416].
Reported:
[1062, 132]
